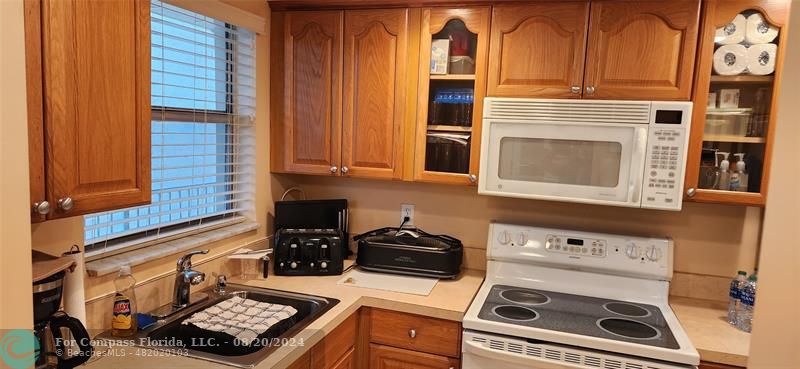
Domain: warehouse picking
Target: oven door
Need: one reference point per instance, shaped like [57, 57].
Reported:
[475, 356]
[599, 163]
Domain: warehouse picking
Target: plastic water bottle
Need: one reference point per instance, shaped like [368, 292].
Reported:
[748, 298]
[734, 295]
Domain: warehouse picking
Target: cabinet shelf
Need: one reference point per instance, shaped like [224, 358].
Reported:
[744, 78]
[733, 138]
[453, 77]
[447, 128]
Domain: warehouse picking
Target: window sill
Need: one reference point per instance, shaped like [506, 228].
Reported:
[112, 264]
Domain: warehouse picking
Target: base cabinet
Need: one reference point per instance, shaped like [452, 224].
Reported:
[707, 365]
[386, 357]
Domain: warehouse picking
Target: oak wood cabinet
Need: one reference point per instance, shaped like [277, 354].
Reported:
[707, 365]
[386, 357]
[538, 49]
[432, 135]
[307, 91]
[88, 73]
[339, 92]
[335, 351]
[390, 339]
[714, 129]
[641, 49]
[632, 49]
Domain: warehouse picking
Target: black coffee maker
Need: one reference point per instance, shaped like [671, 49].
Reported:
[64, 342]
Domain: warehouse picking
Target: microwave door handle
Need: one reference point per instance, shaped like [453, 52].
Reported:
[510, 357]
[637, 166]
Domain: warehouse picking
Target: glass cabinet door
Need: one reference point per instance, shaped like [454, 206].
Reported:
[452, 82]
[734, 104]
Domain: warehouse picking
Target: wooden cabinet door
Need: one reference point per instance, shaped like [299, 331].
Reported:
[40, 207]
[306, 92]
[375, 70]
[435, 20]
[537, 49]
[304, 362]
[345, 362]
[757, 145]
[96, 68]
[641, 49]
[385, 357]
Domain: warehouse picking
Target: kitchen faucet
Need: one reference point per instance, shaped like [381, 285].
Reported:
[185, 277]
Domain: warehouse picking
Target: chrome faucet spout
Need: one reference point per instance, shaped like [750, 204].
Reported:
[185, 277]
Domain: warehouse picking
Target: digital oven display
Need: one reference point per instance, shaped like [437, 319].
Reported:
[669, 116]
[574, 242]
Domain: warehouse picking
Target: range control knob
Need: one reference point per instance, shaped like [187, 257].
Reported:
[503, 237]
[522, 238]
[653, 253]
[632, 251]
[293, 265]
[323, 265]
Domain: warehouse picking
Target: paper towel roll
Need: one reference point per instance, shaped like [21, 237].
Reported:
[74, 296]
[730, 60]
[758, 30]
[761, 59]
[733, 32]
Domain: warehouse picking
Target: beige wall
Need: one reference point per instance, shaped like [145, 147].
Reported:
[776, 328]
[709, 239]
[15, 249]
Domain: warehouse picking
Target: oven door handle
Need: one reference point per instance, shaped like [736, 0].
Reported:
[510, 357]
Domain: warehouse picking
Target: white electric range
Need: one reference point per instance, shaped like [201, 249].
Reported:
[556, 298]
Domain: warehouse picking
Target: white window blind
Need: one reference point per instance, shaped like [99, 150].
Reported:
[203, 144]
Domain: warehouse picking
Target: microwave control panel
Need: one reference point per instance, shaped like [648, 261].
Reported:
[665, 163]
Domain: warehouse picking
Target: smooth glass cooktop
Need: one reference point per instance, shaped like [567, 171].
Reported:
[615, 320]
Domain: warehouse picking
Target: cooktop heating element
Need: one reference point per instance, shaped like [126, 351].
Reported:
[590, 316]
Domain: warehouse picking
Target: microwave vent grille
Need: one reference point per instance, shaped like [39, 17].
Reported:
[568, 111]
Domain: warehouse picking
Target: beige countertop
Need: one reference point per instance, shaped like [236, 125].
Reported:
[706, 324]
[448, 300]
[704, 321]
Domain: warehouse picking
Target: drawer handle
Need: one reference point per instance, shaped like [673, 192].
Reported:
[412, 333]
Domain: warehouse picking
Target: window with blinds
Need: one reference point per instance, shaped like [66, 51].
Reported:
[203, 112]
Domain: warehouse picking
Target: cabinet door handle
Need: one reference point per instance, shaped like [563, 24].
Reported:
[412, 333]
[334, 169]
[65, 203]
[345, 170]
[575, 89]
[589, 90]
[690, 192]
[41, 208]
[472, 178]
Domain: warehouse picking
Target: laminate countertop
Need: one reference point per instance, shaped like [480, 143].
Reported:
[704, 321]
[449, 300]
[706, 324]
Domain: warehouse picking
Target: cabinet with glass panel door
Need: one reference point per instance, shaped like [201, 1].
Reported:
[735, 102]
[452, 82]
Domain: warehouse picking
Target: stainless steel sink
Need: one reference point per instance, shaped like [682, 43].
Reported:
[172, 336]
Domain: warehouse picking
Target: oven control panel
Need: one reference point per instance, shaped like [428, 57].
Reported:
[619, 254]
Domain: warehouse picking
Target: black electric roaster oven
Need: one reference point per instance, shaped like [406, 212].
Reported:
[410, 251]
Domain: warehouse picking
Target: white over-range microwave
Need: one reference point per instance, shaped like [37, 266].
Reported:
[607, 152]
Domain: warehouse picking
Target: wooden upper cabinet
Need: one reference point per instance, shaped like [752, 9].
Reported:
[439, 156]
[641, 49]
[96, 101]
[537, 49]
[375, 71]
[741, 127]
[307, 90]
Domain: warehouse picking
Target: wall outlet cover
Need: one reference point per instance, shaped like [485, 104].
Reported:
[407, 210]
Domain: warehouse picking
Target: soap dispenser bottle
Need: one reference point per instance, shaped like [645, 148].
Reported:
[739, 176]
[724, 172]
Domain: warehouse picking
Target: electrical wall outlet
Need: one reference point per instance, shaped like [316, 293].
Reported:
[407, 210]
